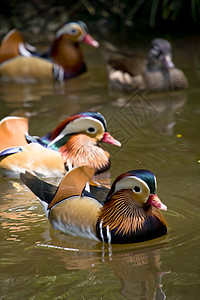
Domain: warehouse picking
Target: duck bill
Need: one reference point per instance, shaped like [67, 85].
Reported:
[167, 61]
[155, 201]
[88, 39]
[107, 138]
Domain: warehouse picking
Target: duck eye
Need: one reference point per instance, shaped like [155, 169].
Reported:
[136, 189]
[91, 129]
[73, 31]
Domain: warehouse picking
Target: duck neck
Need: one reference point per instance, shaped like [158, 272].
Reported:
[67, 54]
[122, 220]
[154, 65]
[82, 149]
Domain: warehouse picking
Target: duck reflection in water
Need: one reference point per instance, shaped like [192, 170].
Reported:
[138, 271]
[160, 110]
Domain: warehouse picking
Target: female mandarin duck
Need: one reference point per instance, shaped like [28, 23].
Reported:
[130, 212]
[74, 141]
[64, 60]
[133, 73]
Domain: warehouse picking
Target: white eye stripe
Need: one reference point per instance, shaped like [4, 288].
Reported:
[67, 28]
[79, 125]
[129, 182]
[155, 50]
[83, 124]
[155, 180]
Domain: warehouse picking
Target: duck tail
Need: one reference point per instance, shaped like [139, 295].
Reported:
[43, 190]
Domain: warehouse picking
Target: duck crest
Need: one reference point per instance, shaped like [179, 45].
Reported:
[52, 135]
[122, 221]
[49, 137]
[82, 149]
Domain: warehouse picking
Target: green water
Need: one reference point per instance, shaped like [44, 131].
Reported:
[158, 132]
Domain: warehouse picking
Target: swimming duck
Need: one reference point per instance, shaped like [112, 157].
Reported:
[129, 214]
[21, 63]
[157, 73]
[74, 141]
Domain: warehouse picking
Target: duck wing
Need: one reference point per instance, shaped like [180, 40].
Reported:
[123, 61]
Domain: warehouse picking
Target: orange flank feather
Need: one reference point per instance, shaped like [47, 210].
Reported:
[9, 45]
[12, 131]
[74, 210]
[73, 184]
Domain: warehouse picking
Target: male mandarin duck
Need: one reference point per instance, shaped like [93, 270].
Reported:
[64, 59]
[129, 214]
[74, 141]
[157, 73]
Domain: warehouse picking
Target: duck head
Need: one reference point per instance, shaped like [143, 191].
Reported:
[78, 137]
[160, 55]
[131, 209]
[76, 32]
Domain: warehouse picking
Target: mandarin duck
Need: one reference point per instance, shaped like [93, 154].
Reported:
[130, 212]
[74, 141]
[157, 73]
[21, 63]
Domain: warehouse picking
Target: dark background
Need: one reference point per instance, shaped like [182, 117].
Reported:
[103, 17]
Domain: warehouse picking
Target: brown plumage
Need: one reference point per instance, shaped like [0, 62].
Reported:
[130, 216]
[83, 149]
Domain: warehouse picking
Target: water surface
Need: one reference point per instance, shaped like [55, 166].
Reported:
[158, 132]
